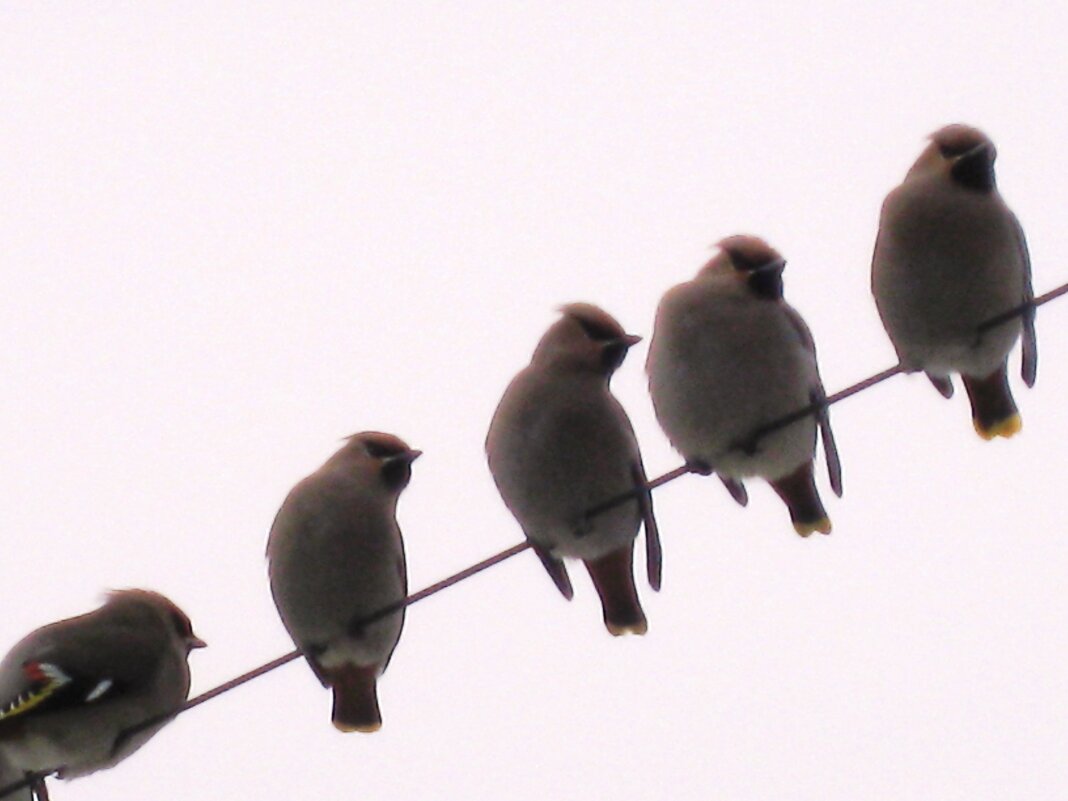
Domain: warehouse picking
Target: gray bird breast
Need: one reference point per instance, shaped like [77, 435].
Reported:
[330, 565]
[557, 448]
[946, 260]
[721, 368]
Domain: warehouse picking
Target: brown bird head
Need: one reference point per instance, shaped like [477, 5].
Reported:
[586, 337]
[751, 260]
[385, 454]
[134, 602]
[962, 153]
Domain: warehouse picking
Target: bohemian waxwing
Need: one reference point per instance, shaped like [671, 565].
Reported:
[71, 690]
[949, 256]
[560, 444]
[335, 557]
[728, 358]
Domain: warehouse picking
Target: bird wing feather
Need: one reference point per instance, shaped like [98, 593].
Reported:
[1029, 365]
[818, 398]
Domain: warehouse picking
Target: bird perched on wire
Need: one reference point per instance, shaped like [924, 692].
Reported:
[84, 693]
[336, 557]
[560, 444]
[729, 358]
[950, 256]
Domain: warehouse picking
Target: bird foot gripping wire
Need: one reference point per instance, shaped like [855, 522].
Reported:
[699, 467]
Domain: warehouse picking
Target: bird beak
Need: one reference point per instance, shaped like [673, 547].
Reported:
[630, 340]
[195, 642]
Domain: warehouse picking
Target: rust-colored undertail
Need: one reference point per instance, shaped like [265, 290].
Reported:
[798, 492]
[355, 697]
[994, 412]
[613, 576]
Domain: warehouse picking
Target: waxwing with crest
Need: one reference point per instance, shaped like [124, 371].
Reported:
[336, 557]
[82, 694]
[560, 444]
[729, 357]
[950, 256]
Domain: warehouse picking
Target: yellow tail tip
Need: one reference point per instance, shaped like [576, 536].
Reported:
[1003, 428]
[805, 528]
[366, 728]
[638, 629]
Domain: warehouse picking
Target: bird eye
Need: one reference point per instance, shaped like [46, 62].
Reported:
[766, 284]
[598, 332]
[743, 263]
[950, 150]
[377, 450]
[382, 448]
[181, 624]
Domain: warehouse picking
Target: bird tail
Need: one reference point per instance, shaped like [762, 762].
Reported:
[613, 577]
[355, 697]
[994, 412]
[798, 492]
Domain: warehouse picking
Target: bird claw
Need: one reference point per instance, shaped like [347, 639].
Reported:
[702, 468]
[39, 790]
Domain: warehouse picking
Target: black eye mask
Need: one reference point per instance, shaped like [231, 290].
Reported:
[975, 169]
[598, 332]
[766, 284]
[396, 473]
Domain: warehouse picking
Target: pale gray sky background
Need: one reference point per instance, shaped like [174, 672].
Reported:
[232, 233]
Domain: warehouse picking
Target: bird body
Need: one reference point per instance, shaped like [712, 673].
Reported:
[951, 255]
[560, 444]
[723, 354]
[71, 689]
[532, 423]
[336, 556]
[728, 357]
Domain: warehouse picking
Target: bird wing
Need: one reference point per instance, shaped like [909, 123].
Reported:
[557, 571]
[72, 667]
[737, 490]
[818, 398]
[1029, 366]
[654, 556]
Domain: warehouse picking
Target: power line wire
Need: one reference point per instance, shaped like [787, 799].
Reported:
[659, 481]
[813, 408]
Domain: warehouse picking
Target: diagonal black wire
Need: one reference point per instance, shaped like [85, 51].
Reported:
[659, 481]
[1016, 311]
[507, 553]
[357, 624]
[812, 408]
[292, 656]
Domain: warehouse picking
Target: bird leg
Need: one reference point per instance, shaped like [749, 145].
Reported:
[700, 467]
[39, 789]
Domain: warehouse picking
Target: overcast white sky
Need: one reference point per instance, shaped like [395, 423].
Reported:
[233, 233]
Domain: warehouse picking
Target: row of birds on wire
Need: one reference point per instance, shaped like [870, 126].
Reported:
[735, 386]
